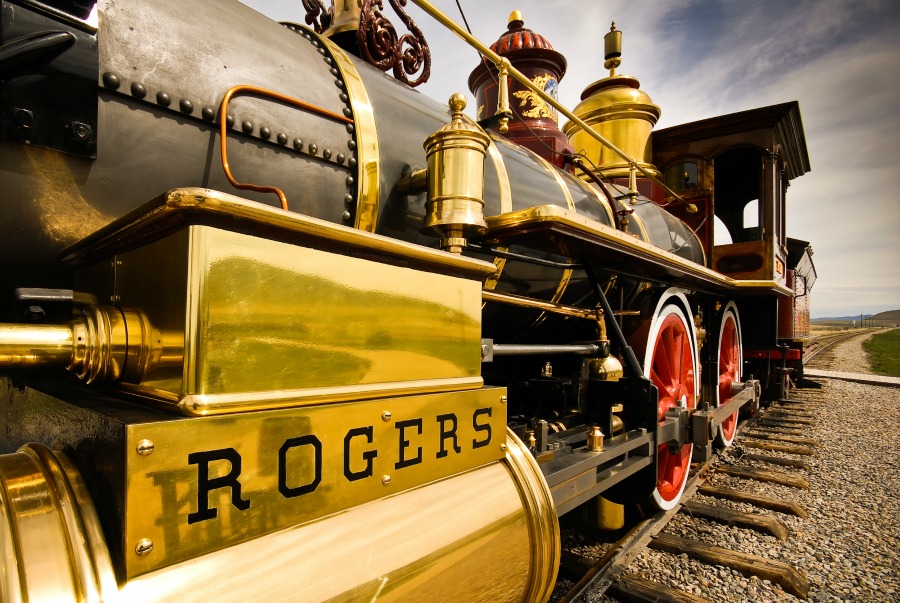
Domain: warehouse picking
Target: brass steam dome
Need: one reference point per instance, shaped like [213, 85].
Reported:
[618, 110]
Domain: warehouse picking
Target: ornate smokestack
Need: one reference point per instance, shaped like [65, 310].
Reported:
[534, 124]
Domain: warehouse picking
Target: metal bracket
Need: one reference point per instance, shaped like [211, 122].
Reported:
[705, 422]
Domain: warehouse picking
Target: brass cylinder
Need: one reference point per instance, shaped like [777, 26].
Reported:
[595, 439]
[345, 18]
[456, 153]
[35, 345]
[54, 549]
[610, 516]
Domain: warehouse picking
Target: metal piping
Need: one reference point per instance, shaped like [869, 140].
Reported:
[223, 132]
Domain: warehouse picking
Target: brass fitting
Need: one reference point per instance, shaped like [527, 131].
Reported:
[106, 344]
[455, 207]
[595, 439]
[605, 369]
[612, 47]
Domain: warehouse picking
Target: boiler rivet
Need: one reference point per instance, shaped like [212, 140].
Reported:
[348, 112]
[313, 148]
[208, 113]
[351, 144]
[186, 106]
[265, 133]
[144, 546]
[344, 97]
[111, 80]
[163, 99]
[340, 158]
[145, 447]
[281, 138]
[352, 162]
[346, 216]
[229, 121]
[298, 144]
[348, 199]
[247, 127]
[350, 181]
[326, 153]
[386, 416]
[138, 90]
[386, 480]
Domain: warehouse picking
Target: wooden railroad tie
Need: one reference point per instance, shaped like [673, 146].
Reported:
[775, 460]
[751, 521]
[781, 437]
[781, 430]
[778, 447]
[766, 475]
[778, 425]
[631, 588]
[793, 403]
[780, 418]
[791, 579]
[792, 414]
[788, 507]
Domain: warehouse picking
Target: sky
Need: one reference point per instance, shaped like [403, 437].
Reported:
[702, 58]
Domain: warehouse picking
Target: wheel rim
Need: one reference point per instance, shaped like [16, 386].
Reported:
[672, 370]
[729, 372]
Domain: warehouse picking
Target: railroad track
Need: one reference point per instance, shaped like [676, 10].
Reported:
[776, 444]
[824, 342]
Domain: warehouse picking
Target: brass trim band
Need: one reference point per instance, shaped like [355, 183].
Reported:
[368, 155]
[216, 404]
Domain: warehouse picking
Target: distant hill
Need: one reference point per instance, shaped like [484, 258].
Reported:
[891, 317]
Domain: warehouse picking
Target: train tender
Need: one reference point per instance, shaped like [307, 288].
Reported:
[277, 326]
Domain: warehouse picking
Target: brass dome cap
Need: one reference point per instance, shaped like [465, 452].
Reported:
[622, 113]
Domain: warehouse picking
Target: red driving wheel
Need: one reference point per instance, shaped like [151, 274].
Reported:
[729, 364]
[671, 366]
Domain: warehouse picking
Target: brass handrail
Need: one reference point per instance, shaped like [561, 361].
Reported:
[223, 130]
[503, 63]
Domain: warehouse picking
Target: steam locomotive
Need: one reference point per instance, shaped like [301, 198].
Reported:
[276, 325]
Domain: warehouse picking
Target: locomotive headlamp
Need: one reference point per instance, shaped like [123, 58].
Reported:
[455, 206]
